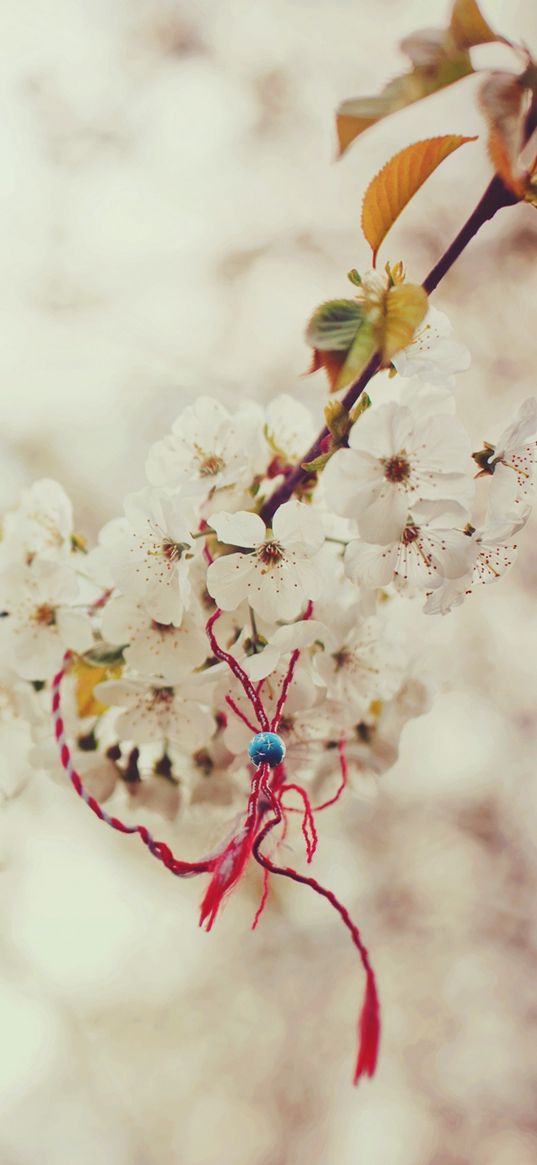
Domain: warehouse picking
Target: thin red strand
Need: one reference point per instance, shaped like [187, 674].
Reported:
[159, 849]
[308, 821]
[242, 715]
[343, 763]
[263, 899]
[282, 700]
[239, 672]
[369, 1022]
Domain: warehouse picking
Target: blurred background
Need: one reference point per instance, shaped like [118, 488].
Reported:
[171, 212]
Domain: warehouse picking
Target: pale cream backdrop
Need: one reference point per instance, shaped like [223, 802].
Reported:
[170, 213]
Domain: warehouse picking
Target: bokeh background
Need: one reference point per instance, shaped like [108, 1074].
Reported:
[171, 212]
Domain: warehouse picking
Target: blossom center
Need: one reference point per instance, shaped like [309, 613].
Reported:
[410, 534]
[162, 696]
[211, 465]
[162, 628]
[270, 553]
[45, 615]
[172, 551]
[342, 658]
[397, 468]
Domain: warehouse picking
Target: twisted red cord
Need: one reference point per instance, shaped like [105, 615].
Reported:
[369, 1022]
[288, 678]
[242, 715]
[229, 864]
[308, 821]
[238, 671]
[159, 849]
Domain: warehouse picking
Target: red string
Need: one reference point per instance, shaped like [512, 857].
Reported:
[239, 672]
[369, 1023]
[308, 821]
[344, 777]
[238, 712]
[228, 865]
[263, 900]
[159, 849]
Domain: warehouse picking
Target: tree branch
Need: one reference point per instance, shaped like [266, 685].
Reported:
[496, 196]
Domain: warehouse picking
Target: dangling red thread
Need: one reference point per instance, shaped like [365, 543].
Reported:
[242, 715]
[263, 900]
[229, 863]
[369, 1023]
[308, 821]
[159, 849]
[344, 777]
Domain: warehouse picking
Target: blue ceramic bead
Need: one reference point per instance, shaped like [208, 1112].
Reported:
[266, 748]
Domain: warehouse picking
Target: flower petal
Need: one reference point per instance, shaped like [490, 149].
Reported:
[295, 523]
[228, 579]
[240, 529]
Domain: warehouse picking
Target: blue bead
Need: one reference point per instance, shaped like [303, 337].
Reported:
[266, 748]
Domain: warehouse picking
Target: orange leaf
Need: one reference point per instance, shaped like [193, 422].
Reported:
[399, 180]
[502, 99]
[468, 25]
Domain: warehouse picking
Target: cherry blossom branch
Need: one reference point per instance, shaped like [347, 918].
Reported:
[496, 196]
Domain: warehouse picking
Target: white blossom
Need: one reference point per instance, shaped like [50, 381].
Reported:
[278, 574]
[512, 462]
[39, 623]
[430, 547]
[157, 713]
[496, 548]
[42, 524]
[394, 460]
[149, 553]
[208, 448]
[433, 354]
[359, 662]
[152, 648]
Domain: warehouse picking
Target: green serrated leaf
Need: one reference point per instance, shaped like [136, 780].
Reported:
[334, 325]
[359, 354]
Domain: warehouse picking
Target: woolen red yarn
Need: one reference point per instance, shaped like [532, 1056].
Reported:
[227, 866]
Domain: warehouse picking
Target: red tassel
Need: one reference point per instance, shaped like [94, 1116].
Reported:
[227, 871]
[369, 1025]
[368, 1031]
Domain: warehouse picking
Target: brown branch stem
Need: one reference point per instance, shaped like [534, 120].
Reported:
[496, 196]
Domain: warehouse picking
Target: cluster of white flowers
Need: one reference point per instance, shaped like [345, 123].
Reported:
[151, 713]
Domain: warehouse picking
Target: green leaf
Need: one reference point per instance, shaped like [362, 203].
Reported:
[364, 403]
[334, 325]
[338, 420]
[358, 356]
[318, 463]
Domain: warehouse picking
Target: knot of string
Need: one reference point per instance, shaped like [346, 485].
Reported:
[228, 864]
